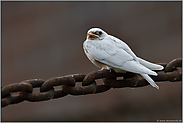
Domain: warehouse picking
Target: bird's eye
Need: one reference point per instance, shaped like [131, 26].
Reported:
[100, 32]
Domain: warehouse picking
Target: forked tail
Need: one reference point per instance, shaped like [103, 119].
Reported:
[151, 81]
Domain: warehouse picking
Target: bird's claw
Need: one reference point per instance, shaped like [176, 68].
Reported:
[106, 68]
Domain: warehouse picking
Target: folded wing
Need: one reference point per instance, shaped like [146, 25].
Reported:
[109, 54]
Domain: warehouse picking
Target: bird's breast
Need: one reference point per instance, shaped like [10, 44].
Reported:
[95, 62]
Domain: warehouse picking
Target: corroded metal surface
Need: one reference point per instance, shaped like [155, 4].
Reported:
[89, 86]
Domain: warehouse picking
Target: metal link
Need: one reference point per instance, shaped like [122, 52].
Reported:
[62, 93]
[173, 64]
[6, 101]
[7, 90]
[15, 88]
[90, 89]
[16, 99]
[89, 86]
[128, 82]
[65, 80]
[102, 88]
[98, 75]
[36, 97]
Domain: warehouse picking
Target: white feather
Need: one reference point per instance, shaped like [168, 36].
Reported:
[115, 53]
[105, 51]
[146, 77]
[149, 65]
[133, 66]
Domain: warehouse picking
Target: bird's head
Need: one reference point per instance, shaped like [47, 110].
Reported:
[96, 33]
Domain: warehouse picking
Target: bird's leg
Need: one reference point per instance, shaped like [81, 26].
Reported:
[106, 68]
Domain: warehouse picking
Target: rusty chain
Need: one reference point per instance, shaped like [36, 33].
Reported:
[89, 86]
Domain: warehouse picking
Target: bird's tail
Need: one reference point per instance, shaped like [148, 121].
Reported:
[146, 77]
[150, 65]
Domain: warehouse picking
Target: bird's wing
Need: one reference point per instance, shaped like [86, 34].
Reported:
[145, 63]
[150, 65]
[124, 46]
[107, 53]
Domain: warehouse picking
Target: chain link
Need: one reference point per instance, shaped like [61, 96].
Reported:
[89, 86]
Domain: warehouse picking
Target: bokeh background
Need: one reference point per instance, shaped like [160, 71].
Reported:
[44, 40]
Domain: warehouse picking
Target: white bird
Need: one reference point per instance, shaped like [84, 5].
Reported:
[108, 52]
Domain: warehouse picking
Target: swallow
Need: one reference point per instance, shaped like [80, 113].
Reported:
[108, 52]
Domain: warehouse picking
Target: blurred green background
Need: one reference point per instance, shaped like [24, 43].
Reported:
[44, 40]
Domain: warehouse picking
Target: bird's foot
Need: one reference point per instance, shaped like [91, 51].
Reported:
[106, 68]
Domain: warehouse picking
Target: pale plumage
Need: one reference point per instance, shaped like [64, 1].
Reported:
[106, 51]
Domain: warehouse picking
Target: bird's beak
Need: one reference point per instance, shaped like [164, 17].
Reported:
[92, 36]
